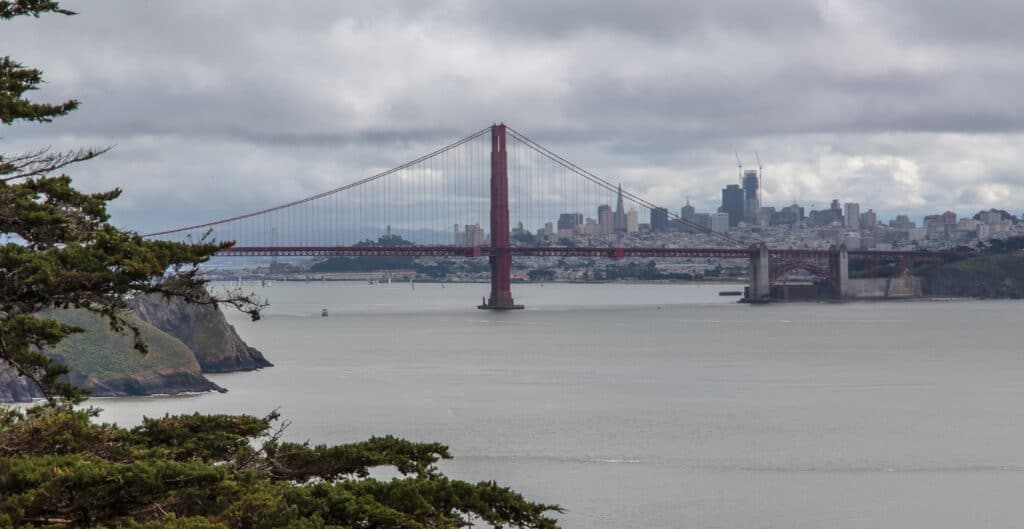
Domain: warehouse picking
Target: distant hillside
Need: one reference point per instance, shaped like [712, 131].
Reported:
[997, 272]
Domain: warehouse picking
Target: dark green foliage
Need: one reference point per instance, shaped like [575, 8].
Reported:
[1003, 214]
[13, 8]
[1004, 246]
[368, 264]
[363, 264]
[15, 79]
[385, 240]
[59, 468]
[996, 272]
[545, 274]
[643, 271]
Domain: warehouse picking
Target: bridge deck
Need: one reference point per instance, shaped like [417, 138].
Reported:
[552, 251]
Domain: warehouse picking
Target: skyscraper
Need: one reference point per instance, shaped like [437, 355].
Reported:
[868, 219]
[569, 221]
[621, 222]
[604, 219]
[720, 222]
[659, 219]
[851, 215]
[688, 212]
[751, 201]
[732, 203]
[703, 221]
[688, 216]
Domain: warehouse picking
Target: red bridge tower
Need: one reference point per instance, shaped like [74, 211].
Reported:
[501, 253]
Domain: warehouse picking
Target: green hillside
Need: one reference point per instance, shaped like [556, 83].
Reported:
[996, 273]
[106, 362]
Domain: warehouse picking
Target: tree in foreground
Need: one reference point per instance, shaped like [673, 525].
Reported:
[60, 468]
[61, 251]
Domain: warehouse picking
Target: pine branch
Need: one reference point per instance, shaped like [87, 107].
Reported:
[42, 162]
[15, 8]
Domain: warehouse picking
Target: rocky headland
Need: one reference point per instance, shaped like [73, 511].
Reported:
[185, 341]
[204, 330]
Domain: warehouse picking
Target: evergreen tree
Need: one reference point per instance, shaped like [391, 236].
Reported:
[60, 468]
[61, 251]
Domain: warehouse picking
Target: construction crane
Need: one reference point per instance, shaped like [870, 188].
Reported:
[739, 164]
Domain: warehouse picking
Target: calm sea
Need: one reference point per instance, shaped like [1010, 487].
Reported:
[659, 406]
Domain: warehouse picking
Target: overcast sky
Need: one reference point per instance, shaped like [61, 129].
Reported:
[217, 107]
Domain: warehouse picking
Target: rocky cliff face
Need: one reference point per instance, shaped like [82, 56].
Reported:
[15, 389]
[106, 363]
[203, 328]
[185, 341]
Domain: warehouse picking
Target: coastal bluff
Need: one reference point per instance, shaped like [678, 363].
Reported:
[185, 341]
[203, 329]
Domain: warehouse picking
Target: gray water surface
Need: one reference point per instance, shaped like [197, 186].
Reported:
[659, 406]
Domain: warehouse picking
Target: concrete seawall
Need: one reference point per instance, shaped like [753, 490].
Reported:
[884, 288]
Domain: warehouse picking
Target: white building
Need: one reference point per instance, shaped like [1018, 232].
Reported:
[719, 222]
[472, 236]
[632, 221]
[851, 215]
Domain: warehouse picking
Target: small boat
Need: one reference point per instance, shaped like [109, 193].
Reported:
[323, 313]
[730, 293]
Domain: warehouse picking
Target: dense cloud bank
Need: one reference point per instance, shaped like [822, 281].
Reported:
[233, 105]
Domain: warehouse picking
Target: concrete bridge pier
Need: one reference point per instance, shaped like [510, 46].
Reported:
[759, 290]
[839, 268]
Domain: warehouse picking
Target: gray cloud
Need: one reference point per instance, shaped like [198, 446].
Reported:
[846, 99]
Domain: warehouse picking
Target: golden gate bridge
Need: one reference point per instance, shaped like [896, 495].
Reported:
[458, 201]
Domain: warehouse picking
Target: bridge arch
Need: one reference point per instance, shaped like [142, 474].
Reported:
[779, 273]
[822, 265]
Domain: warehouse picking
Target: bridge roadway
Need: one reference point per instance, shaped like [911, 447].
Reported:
[556, 251]
[766, 266]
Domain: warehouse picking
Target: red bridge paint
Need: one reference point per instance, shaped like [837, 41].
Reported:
[501, 257]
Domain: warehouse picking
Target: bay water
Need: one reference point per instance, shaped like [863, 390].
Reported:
[657, 405]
